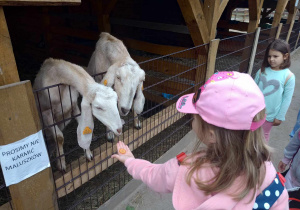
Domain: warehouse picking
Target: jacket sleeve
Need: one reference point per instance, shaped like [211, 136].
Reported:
[291, 149]
[286, 98]
[159, 177]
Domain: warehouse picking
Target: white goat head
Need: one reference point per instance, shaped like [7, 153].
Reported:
[103, 105]
[127, 78]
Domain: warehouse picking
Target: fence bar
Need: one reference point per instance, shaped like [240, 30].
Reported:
[253, 53]
[19, 119]
[278, 31]
[297, 41]
[290, 30]
[211, 60]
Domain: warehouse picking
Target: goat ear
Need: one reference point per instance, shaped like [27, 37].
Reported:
[109, 78]
[139, 100]
[85, 125]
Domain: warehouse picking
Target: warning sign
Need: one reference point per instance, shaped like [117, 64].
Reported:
[23, 158]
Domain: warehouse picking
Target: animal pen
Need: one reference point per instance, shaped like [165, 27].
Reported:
[87, 185]
[174, 65]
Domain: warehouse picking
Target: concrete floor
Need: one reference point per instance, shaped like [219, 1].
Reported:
[136, 195]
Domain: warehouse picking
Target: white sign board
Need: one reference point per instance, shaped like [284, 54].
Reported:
[24, 158]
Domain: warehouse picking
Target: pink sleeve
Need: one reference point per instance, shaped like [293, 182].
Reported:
[282, 203]
[159, 177]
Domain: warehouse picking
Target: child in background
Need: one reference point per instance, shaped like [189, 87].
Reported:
[234, 170]
[292, 155]
[297, 126]
[277, 83]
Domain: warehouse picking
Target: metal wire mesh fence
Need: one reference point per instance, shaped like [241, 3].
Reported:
[88, 184]
[284, 31]
[294, 36]
[234, 53]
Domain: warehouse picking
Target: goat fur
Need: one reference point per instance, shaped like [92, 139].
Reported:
[123, 74]
[97, 100]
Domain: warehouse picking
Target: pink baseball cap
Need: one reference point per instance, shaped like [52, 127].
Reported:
[228, 99]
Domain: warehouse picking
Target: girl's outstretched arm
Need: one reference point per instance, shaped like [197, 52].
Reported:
[159, 177]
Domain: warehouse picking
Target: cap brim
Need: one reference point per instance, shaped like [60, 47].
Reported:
[185, 105]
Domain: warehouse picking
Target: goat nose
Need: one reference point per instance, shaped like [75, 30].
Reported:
[125, 111]
[119, 130]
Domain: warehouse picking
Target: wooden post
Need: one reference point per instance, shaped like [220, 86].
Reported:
[19, 119]
[290, 31]
[280, 7]
[278, 31]
[211, 59]
[254, 46]
[8, 67]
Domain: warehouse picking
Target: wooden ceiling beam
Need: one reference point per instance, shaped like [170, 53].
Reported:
[291, 7]
[8, 67]
[255, 7]
[280, 7]
[202, 18]
[39, 2]
[193, 14]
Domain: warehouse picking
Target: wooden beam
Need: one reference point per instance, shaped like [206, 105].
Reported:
[222, 8]
[19, 119]
[82, 171]
[8, 67]
[39, 2]
[280, 7]
[278, 31]
[193, 14]
[211, 59]
[292, 11]
[102, 9]
[255, 7]
[290, 31]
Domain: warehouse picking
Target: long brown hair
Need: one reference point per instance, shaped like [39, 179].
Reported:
[281, 46]
[236, 153]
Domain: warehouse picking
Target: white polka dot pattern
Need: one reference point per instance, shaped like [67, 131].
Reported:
[267, 206]
[277, 193]
[267, 193]
[255, 206]
[276, 180]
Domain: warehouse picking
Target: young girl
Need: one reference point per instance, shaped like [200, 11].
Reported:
[234, 170]
[277, 83]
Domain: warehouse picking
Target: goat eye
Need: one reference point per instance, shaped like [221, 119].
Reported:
[99, 108]
[118, 77]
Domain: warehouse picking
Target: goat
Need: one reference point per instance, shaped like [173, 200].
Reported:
[123, 74]
[97, 100]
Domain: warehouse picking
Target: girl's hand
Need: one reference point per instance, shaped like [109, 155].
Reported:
[123, 152]
[281, 166]
[276, 122]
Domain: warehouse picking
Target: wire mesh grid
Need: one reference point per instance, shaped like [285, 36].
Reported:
[88, 184]
[284, 31]
[234, 53]
[5, 198]
[294, 36]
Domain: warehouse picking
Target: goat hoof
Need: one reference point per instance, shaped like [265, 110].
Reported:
[89, 155]
[62, 167]
[138, 125]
